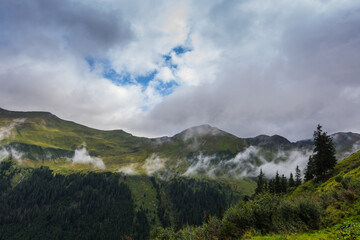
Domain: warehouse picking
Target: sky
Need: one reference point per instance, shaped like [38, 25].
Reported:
[154, 68]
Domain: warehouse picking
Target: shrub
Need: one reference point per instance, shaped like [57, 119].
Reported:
[309, 213]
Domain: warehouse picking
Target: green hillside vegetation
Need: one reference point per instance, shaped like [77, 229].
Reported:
[42, 204]
[46, 140]
[314, 210]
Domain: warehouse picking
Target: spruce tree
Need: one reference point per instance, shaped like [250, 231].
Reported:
[277, 183]
[309, 170]
[291, 180]
[323, 157]
[298, 179]
[260, 183]
[271, 186]
[283, 183]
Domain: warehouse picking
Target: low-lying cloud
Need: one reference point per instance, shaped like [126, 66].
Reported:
[129, 169]
[6, 131]
[11, 152]
[154, 164]
[248, 164]
[239, 166]
[82, 156]
[293, 159]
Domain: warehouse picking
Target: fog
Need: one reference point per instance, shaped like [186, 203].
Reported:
[10, 152]
[248, 163]
[154, 164]
[6, 131]
[82, 156]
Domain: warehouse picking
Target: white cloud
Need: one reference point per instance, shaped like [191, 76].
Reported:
[244, 164]
[129, 169]
[6, 131]
[154, 164]
[5, 153]
[82, 156]
[165, 75]
[276, 68]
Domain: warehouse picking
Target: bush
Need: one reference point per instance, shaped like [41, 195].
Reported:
[269, 213]
[309, 213]
[338, 178]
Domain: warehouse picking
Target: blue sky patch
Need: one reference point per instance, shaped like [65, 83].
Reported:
[181, 50]
[126, 78]
[166, 89]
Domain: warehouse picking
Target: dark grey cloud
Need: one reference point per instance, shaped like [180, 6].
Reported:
[255, 67]
[281, 72]
[59, 25]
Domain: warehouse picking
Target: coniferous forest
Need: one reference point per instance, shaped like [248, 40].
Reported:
[39, 204]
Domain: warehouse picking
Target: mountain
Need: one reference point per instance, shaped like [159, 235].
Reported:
[326, 209]
[57, 174]
[41, 138]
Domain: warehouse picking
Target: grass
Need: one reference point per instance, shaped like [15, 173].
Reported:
[340, 198]
[144, 195]
[43, 132]
[348, 229]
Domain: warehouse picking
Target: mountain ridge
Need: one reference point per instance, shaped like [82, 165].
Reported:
[206, 150]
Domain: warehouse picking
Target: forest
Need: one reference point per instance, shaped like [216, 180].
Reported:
[36, 203]
[325, 206]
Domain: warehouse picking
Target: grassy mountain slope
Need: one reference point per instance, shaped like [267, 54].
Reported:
[42, 139]
[339, 198]
[314, 210]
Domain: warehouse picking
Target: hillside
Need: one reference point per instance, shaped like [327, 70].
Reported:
[36, 203]
[165, 182]
[314, 210]
[42, 139]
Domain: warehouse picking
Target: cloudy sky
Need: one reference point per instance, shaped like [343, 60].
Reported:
[154, 68]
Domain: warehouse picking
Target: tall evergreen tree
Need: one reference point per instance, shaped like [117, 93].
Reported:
[271, 186]
[277, 183]
[283, 183]
[323, 157]
[260, 183]
[291, 180]
[298, 179]
[309, 170]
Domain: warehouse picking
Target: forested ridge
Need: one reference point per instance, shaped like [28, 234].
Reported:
[44, 205]
[325, 206]
[36, 203]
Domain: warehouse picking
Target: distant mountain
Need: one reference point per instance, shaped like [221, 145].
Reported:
[41, 138]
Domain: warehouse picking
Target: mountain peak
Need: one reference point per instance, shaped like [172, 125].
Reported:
[266, 140]
[199, 131]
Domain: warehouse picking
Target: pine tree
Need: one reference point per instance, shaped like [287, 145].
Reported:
[309, 170]
[283, 183]
[298, 179]
[260, 183]
[277, 183]
[291, 180]
[271, 186]
[323, 157]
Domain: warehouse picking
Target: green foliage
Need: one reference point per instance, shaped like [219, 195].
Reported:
[271, 213]
[291, 181]
[260, 183]
[191, 199]
[349, 230]
[323, 158]
[298, 179]
[44, 206]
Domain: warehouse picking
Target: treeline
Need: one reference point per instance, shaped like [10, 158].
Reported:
[268, 210]
[187, 201]
[45, 205]
[266, 213]
[39, 204]
[278, 184]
